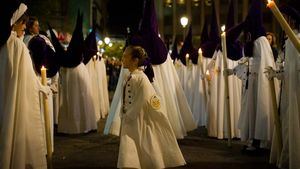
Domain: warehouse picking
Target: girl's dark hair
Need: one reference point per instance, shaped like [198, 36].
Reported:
[31, 21]
[139, 53]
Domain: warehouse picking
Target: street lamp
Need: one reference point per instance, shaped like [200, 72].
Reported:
[184, 21]
[100, 42]
[106, 40]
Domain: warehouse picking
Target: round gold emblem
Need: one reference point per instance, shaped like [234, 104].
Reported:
[155, 102]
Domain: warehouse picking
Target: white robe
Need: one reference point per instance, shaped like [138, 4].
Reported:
[77, 113]
[171, 92]
[259, 111]
[289, 112]
[217, 117]
[104, 99]
[146, 139]
[22, 140]
[199, 96]
[91, 67]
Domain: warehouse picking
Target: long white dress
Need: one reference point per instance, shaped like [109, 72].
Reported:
[77, 113]
[146, 139]
[169, 88]
[22, 142]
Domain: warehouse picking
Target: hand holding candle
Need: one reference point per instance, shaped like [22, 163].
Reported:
[224, 49]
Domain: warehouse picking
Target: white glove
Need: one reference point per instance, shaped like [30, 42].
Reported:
[54, 88]
[45, 90]
[243, 60]
[228, 72]
[271, 73]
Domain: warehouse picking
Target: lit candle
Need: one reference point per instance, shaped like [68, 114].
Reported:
[224, 49]
[200, 63]
[223, 43]
[187, 59]
[47, 119]
[44, 75]
[284, 25]
[200, 57]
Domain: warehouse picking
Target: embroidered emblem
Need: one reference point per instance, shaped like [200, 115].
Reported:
[155, 102]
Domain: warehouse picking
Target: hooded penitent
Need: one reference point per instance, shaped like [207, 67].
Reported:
[188, 48]
[74, 54]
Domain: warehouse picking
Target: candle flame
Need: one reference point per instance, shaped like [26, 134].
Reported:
[43, 67]
[223, 28]
[207, 72]
[94, 57]
[187, 55]
[199, 51]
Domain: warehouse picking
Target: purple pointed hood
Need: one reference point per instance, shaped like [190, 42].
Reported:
[204, 34]
[291, 12]
[90, 47]
[74, 54]
[155, 47]
[210, 46]
[188, 48]
[234, 46]
[174, 54]
[253, 28]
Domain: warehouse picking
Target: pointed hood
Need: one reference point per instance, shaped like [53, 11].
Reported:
[253, 27]
[174, 54]
[291, 12]
[90, 47]
[188, 48]
[43, 54]
[154, 46]
[7, 8]
[230, 16]
[204, 34]
[74, 54]
[210, 46]
[254, 20]
[234, 46]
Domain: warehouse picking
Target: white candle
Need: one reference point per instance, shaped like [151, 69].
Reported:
[224, 49]
[47, 119]
[200, 57]
[44, 75]
[284, 25]
[187, 59]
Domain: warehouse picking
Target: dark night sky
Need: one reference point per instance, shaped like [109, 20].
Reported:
[123, 14]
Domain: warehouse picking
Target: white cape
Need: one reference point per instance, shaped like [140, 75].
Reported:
[146, 139]
[173, 98]
[22, 142]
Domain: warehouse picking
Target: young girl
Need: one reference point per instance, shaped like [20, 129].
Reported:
[146, 138]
